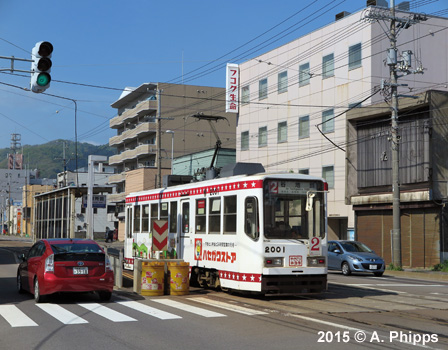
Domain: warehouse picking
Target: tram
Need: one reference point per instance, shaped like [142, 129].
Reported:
[263, 233]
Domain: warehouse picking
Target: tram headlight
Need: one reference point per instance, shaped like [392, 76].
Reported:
[270, 262]
[316, 261]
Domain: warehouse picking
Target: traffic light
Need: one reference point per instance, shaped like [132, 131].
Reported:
[41, 66]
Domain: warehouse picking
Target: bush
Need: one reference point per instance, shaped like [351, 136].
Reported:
[392, 267]
[441, 267]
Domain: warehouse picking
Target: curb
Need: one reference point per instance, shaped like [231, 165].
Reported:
[421, 275]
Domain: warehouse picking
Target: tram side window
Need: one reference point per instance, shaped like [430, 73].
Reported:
[137, 218]
[201, 215]
[173, 217]
[145, 218]
[164, 211]
[214, 220]
[251, 226]
[230, 215]
[154, 214]
[185, 217]
[129, 222]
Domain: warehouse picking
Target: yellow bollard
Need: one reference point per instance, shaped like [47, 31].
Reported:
[153, 276]
[179, 279]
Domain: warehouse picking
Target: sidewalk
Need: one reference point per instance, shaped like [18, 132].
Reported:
[419, 274]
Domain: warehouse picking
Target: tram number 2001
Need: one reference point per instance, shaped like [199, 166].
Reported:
[274, 249]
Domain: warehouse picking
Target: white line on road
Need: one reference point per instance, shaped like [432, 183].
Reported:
[15, 317]
[148, 310]
[189, 308]
[61, 314]
[106, 312]
[227, 306]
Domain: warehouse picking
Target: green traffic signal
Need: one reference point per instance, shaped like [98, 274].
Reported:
[43, 79]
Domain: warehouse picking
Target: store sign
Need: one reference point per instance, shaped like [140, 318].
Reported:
[232, 87]
[98, 201]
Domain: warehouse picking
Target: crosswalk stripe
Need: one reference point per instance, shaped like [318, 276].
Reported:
[148, 310]
[15, 317]
[106, 312]
[61, 314]
[189, 308]
[227, 306]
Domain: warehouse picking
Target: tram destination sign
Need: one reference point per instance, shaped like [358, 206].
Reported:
[295, 187]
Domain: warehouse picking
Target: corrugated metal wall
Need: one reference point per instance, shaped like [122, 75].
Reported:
[420, 235]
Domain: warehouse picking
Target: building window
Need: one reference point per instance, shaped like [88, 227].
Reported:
[282, 132]
[245, 140]
[328, 175]
[263, 136]
[328, 121]
[304, 127]
[354, 56]
[328, 66]
[282, 82]
[354, 105]
[245, 95]
[304, 171]
[304, 74]
[263, 89]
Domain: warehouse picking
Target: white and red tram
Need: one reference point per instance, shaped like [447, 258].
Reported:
[263, 233]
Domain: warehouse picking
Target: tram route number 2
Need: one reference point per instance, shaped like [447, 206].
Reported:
[315, 246]
[274, 249]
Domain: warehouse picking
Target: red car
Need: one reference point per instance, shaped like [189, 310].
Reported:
[65, 265]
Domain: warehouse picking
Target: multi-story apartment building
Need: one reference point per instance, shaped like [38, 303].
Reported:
[142, 118]
[294, 98]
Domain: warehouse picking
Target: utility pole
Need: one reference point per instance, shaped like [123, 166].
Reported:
[159, 141]
[395, 65]
[395, 147]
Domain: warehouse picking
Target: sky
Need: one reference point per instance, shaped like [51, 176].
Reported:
[103, 46]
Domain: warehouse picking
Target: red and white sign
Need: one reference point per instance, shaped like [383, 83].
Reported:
[295, 260]
[315, 246]
[232, 87]
[159, 235]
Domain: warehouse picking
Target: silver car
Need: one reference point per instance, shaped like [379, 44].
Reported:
[353, 256]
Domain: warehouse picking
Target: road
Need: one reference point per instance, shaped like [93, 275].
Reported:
[359, 311]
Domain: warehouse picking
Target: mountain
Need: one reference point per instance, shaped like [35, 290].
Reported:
[48, 157]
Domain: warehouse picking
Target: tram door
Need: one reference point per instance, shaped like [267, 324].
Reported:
[184, 234]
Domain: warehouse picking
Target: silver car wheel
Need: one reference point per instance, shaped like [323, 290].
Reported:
[346, 269]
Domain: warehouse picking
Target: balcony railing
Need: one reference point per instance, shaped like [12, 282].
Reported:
[116, 197]
[140, 110]
[128, 135]
[132, 154]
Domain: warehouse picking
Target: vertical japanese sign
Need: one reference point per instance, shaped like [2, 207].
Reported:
[232, 87]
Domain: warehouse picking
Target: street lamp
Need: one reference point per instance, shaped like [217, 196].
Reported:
[172, 147]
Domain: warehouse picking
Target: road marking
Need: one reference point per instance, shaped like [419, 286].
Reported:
[395, 285]
[61, 314]
[189, 308]
[230, 307]
[15, 317]
[148, 310]
[108, 313]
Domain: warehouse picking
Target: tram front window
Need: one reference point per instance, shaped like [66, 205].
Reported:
[286, 217]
